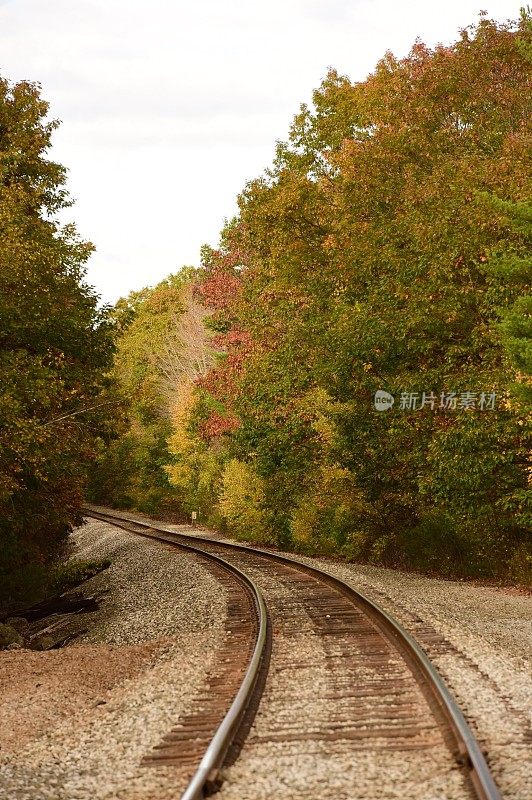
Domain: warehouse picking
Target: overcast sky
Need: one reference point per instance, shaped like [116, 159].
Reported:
[169, 107]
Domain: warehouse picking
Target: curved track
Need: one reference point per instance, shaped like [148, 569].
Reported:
[213, 729]
[383, 681]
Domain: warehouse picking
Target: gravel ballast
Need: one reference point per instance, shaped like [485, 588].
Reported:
[83, 717]
[479, 639]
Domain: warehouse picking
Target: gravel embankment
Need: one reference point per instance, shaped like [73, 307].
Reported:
[479, 638]
[77, 721]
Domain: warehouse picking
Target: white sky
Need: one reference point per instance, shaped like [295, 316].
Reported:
[168, 108]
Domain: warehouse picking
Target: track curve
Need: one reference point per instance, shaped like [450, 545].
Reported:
[251, 638]
[455, 728]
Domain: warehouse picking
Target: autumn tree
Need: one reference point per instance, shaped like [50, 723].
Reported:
[55, 344]
[162, 346]
[384, 250]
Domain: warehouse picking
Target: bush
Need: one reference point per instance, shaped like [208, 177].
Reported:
[72, 573]
[520, 566]
[434, 545]
[8, 635]
[241, 502]
[333, 517]
[26, 583]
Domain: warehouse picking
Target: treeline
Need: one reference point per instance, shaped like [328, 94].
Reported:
[385, 250]
[55, 350]
[385, 254]
[162, 347]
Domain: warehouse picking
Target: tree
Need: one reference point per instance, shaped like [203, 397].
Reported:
[369, 257]
[161, 347]
[55, 344]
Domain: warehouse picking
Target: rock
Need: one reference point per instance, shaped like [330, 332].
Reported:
[18, 623]
[44, 642]
[55, 631]
[13, 646]
[8, 635]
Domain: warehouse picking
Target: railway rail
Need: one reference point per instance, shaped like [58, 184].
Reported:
[382, 681]
[212, 730]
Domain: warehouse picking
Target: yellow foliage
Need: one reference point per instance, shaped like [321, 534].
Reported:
[318, 406]
[241, 501]
[179, 475]
[196, 470]
[332, 516]
[180, 443]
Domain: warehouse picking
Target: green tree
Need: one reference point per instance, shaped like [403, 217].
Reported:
[159, 348]
[371, 256]
[55, 344]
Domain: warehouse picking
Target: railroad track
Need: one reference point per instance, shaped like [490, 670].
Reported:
[378, 688]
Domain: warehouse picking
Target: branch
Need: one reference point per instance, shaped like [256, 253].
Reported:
[80, 411]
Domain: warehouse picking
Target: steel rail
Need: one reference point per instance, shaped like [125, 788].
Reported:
[467, 750]
[206, 775]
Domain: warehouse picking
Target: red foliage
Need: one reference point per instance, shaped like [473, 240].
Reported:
[216, 425]
[235, 339]
[220, 380]
[219, 289]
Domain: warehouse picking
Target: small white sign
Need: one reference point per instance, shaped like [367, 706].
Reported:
[194, 515]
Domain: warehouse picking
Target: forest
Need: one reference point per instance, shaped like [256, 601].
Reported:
[384, 253]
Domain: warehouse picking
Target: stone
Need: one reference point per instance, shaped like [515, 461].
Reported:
[18, 623]
[8, 635]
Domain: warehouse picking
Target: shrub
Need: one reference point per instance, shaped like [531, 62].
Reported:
[333, 517]
[241, 502]
[520, 566]
[8, 635]
[434, 544]
[72, 573]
